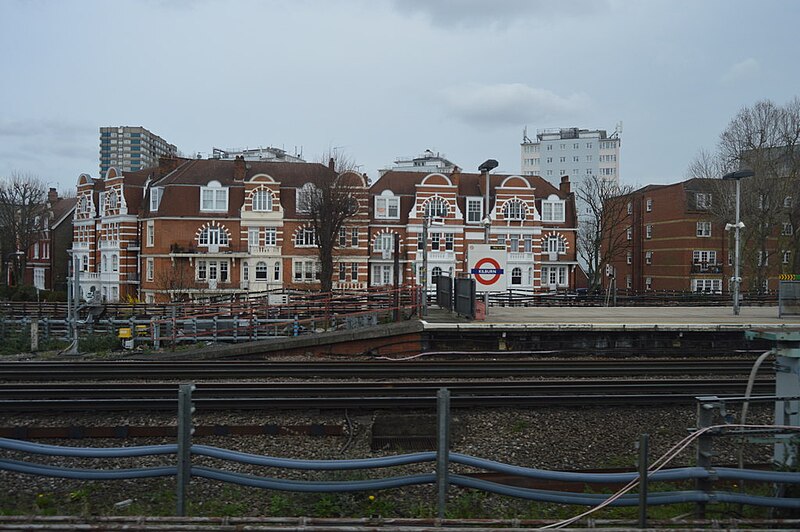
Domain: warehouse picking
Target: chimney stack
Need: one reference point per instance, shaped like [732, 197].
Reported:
[331, 164]
[564, 186]
[167, 164]
[52, 196]
[239, 168]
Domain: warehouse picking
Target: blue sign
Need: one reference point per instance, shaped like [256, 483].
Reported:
[486, 271]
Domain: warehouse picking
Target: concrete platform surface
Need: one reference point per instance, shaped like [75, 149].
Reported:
[632, 317]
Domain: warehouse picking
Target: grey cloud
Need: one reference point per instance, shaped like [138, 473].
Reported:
[509, 103]
[497, 13]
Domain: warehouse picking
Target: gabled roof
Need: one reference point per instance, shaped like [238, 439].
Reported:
[62, 209]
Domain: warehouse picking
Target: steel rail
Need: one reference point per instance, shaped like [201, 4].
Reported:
[353, 395]
[54, 371]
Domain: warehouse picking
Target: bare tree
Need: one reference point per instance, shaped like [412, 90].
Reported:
[336, 197]
[176, 280]
[764, 138]
[601, 230]
[23, 217]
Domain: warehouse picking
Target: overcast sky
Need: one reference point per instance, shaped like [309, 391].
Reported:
[386, 78]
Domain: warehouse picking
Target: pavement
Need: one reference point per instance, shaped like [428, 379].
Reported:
[622, 317]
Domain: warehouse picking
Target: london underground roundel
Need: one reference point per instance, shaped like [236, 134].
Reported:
[487, 271]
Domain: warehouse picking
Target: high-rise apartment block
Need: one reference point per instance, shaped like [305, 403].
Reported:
[131, 148]
[578, 153]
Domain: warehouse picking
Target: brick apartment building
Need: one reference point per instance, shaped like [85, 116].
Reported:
[676, 242]
[192, 229]
[533, 219]
[47, 259]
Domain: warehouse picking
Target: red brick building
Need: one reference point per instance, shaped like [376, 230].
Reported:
[47, 259]
[533, 219]
[678, 244]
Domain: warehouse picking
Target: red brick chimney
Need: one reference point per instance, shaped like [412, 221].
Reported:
[52, 196]
[455, 176]
[331, 164]
[167, 165]
[239, 168]
[564, 186]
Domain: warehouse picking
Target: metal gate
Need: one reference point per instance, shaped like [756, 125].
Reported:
[465, 297]
[788, 298]
[444, 292]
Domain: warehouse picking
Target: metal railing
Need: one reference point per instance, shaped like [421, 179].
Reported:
[442, 477]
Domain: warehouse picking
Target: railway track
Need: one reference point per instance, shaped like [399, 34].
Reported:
[220, 370]
[368, 395]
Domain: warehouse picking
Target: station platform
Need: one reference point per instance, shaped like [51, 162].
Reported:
[616, 318]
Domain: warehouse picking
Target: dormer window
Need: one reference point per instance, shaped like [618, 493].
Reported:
[214, 197]
[262, 200]
[305, 197]
[155, 198]
[553, 209]
[514, 210]
[387, 206]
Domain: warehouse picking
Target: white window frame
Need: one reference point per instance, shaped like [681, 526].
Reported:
[151, 234]
[649, 204]
[704, 229]
[387, 206]
[214, 235]
[270, 236]
[253, 237]
[474, 216]
[262, 200]
[436, 207]
[155, 198]
[150, 265]
[305, 237]
[384, 242]
[38, 278]
[261, 271]
[703, 200]
[213, 197]
[553, 210]
[514, 209]
[648, 231]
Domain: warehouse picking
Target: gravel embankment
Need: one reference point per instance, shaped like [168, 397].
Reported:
[549, 438]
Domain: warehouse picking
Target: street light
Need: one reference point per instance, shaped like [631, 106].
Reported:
[485, 168]
[736, 280]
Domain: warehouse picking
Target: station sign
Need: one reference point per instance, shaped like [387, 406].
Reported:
[487, 264]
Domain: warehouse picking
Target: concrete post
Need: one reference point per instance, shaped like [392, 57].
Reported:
[644, 444]
[185, 431]
[442, 448]
[34, 335]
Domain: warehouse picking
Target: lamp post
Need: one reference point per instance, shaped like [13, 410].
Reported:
[424, 272]
[485, 168]
[736, 280]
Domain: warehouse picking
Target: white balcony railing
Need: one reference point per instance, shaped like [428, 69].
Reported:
[80, 245]
[442, 256]
[264, 250]
[109, 244]
[520, 257]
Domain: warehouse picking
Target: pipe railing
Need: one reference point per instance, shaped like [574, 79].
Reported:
[442, 475]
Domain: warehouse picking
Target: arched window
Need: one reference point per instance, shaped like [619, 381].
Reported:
[530, 276]
[514, 210]
[112, 200]
[262, 200]
[261, 271]
[277, 270]
[435, 273]
[516, 276]
[436, 208]
[114, 263]
[213, 236]
[105, 263]
[245, 271]
[554, 244]
[305, 236]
